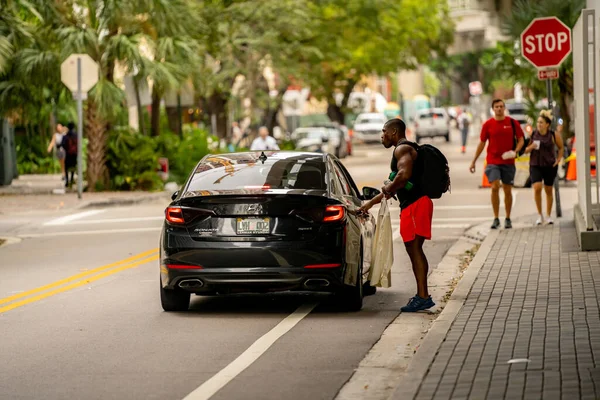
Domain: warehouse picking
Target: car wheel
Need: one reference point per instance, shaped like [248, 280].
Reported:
[351, 298]
[174, 300]
[447, 136]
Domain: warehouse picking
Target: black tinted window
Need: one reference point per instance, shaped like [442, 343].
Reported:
[247, 172]
[431, 115]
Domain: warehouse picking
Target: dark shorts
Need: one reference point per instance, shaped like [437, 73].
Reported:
[546, 174]
[504, 172]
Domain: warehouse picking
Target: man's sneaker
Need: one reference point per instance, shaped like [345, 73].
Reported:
[418, 304]
[496, 223]
[539, 221]
[507, 224]
[549, 220]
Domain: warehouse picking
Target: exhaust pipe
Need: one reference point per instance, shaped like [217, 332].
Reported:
[190, 284]
[314, 283]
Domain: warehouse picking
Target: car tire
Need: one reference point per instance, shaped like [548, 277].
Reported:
[447, 137]
[174, 300]
[351, 298]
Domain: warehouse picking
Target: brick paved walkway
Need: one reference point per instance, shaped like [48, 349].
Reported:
[535, 298]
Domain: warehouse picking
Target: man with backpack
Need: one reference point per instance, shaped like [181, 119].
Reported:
[69, 143]
[506, 139]
[408, 183]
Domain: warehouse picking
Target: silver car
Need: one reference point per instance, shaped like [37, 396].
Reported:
[432, 122]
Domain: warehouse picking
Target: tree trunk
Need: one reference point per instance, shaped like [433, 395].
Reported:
[96, 148]
[217, 104]
[155, 117]
[136, 87]
[334, 112]
[173, 119]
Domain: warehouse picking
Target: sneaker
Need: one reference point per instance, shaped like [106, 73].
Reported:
[549, 220]
[418, 304]
[507, 223]
[539, 221]
[463, 149]
[496, 223]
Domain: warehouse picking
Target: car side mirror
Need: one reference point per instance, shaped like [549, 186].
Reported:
[174, 195]
[368, 193]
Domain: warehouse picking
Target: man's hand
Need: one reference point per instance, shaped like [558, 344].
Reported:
[472, 167]
[386, 192]
[364, 209]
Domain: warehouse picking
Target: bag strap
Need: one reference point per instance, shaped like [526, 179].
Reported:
[514, 129]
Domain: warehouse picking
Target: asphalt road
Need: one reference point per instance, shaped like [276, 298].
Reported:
[80, 315]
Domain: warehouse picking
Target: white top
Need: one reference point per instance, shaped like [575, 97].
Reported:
[58, 137]
[264, 144]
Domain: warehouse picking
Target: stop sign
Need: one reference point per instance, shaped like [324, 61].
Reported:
[546, 42]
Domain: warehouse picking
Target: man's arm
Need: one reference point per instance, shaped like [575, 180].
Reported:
[478, 152]
[520, 143]
[406, 156]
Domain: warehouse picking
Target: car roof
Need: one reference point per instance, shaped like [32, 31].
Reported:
[371, 115]
[254, 156]
[429, 110]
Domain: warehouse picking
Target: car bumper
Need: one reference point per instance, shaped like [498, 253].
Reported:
[231, 280]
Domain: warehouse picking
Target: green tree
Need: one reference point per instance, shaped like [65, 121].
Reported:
[363, 37]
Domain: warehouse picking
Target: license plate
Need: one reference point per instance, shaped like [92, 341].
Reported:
[253, 226]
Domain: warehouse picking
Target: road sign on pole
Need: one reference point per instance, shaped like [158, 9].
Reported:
[79, 73]
[546, 42]
[475, 88]
[549, 74]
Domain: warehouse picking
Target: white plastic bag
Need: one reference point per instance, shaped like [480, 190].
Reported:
[382, 254]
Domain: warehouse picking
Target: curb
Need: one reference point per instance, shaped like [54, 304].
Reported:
[115, 202]
[420, 363]
[8, 240]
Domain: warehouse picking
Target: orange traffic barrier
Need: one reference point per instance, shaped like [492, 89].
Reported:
[485, 183]
[572, 170]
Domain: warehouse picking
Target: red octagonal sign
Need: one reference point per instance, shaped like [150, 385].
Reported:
[546, 42]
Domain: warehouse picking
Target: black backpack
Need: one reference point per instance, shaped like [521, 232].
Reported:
[526, 141]
[432, 169]
[71, 145]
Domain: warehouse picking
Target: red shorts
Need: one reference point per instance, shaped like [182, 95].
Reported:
[416, 220]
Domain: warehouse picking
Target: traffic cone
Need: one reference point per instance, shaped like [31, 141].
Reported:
[572, 168]
[484, 180]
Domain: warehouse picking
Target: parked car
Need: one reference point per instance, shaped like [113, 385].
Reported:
[367, 127]
[266, 221]
[432, 122]
[321, 139]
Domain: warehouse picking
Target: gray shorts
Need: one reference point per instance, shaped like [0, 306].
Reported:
[504, 172]
[60, 153]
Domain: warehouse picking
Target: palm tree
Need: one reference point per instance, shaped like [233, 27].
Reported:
[523, 12]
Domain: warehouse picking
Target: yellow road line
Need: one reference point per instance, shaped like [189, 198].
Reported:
[76, 277]
[75, 285]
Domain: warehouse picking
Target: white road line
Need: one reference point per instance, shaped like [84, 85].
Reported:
[466, 207]
[68, 218]
[98, 232]
[258, 348]
[117, 220]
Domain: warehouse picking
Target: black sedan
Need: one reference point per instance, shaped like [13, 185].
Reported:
[262, 222]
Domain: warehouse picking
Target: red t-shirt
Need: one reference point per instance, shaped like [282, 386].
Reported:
[501, 139]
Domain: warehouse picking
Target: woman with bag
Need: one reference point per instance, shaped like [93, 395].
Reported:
[543, 163]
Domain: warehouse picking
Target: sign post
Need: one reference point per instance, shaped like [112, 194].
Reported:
[546, 43]
[79, 73]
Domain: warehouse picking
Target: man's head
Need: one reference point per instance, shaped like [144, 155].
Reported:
[263, 132]
[71, 126]
[392, 132]
[498, 107]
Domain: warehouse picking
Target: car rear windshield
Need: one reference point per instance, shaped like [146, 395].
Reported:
[369, 120]
[431, 115]
[237, 172]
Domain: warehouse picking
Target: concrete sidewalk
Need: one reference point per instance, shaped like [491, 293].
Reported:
[46, 192]
[523, 323]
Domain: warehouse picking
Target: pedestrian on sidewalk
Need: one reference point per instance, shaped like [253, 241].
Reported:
[55, 145]
[416, 208]
[506, 139]
[464, 121]
[69, 143]
[264, 141]
[543, 163]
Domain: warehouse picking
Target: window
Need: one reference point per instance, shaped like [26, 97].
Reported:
[247, 172]
[345, 186]
[353, 189]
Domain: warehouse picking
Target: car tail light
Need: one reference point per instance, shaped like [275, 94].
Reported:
[312, 266]
[334, 213]
[174, 215]
[180, 266]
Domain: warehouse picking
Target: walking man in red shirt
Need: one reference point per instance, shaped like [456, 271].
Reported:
[500, 131]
